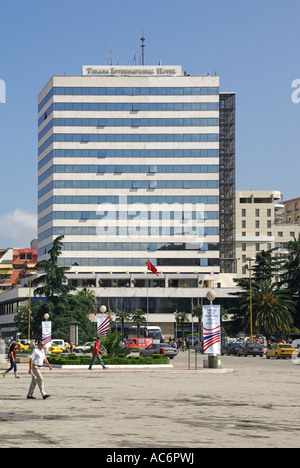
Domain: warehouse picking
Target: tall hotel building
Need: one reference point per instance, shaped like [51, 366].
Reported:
[138, 163]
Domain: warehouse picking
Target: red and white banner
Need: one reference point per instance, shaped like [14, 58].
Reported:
[212, 329]
[47, 334]
[103, 324]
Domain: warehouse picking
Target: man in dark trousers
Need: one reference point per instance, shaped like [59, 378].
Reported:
[96, 354]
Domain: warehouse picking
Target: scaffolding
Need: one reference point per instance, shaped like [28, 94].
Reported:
[228, 262]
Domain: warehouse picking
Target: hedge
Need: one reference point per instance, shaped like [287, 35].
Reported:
[74, 360]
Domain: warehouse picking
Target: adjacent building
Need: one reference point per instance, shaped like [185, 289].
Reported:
[292, 211]
[16, 267]
[260, 225]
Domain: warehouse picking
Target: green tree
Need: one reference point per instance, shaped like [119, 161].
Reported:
[291, 275]
[198, 312]
[122, 316]
[112, 344]
[139, 318]
[272, 309]
[53, 282]
[62, 306]
[89, 294]
[266, 266]
[181, 319]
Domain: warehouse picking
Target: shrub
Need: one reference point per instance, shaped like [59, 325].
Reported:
[131, 360]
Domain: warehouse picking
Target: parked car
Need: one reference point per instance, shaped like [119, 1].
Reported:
[56, 349]
[251, 349]
[85, 348]
[231, 348]
[169, 352]
[280, 350]
[23, 347]
[136, 344]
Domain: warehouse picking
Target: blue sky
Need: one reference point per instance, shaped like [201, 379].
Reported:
[252, 44]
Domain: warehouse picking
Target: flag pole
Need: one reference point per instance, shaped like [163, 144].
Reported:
[147, 279]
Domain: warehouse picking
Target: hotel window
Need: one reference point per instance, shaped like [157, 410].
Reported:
[257, 212]
[257, 247]
[243, 213]
[243, 224]
[269, 212]
[243, 247]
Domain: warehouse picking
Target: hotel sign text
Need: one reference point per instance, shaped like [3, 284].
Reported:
[131, 71]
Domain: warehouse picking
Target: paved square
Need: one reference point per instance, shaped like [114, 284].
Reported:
[255, 406]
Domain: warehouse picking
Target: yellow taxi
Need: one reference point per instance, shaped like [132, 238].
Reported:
[56, 349]
[281, 350]
[23, 347]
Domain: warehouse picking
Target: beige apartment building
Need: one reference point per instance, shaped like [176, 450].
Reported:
[292, 211]
[260, 225]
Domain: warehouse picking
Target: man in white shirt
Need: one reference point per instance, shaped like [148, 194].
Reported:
[37, 360]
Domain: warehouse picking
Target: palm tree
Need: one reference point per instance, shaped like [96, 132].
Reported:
[272, 309]
[86, 292]
[123, 317]
[198, 312]
[138, 317]
[181, 318]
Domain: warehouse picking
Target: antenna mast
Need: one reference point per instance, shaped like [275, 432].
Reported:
[143, 48]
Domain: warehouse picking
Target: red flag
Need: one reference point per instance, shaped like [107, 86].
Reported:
[152, 268]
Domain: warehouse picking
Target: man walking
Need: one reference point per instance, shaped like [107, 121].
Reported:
[37, 359]
[96, 354]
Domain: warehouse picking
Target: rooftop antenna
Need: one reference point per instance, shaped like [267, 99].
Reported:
[109, 57]
[143, 47]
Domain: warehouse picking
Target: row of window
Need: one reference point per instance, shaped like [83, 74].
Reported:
[118, 215]
[257, 212]
[129, 184]
[129, 91]
[116, 200]
[68, 122]
[130, 169]
[129, 138]
[161, 262]
[129, 107]
[135, 246]
[114, 153]
[129, 231]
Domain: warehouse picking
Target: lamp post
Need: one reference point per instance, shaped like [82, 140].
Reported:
[211, 296]
[250, 260]
[29, 307]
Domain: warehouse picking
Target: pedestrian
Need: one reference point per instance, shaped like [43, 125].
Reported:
[37, 360]
[96, 355]
[12, 357]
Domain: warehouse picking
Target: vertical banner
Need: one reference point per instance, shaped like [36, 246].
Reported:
[212, 329]
[47, 334]
[103, 323]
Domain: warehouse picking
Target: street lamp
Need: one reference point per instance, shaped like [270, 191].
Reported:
[250, 260]
[211, 296]
[29, 306]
